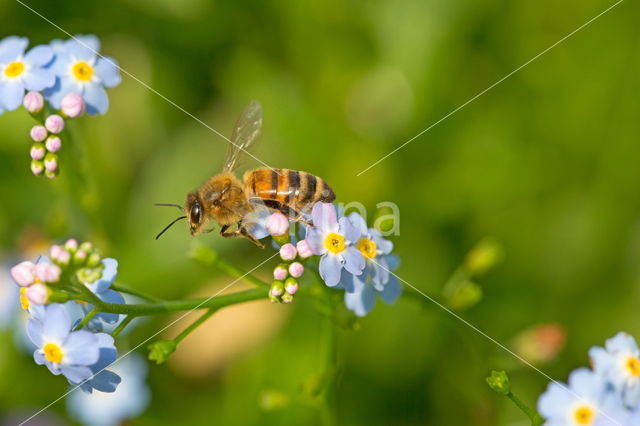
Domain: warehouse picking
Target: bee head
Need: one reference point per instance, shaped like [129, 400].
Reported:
[195, 213]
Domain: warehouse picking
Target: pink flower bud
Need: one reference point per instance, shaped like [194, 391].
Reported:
[280, 273]
[80, 256]
[37, 151]
[71, 244]
[296, 269]
[53, 143]
[48, 272]
[277, 289]
[60, 255]
[38, 294]
[51, 162]
[24, 273]
[38, 133]
[33, 102]
[72, 105]
[277, 224]
[55, 251]
[291, 286]
[288, 252]
[303, 249]
[54, 123]
[37, 167]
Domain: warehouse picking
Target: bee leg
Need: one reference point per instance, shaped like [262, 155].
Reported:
[291, 212]
[241, 232]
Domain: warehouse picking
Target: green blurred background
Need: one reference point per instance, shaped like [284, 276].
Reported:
[546, 163]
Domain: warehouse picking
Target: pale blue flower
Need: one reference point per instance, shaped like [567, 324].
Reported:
[333, 238]
[102, 289]
[62, 350]
[112, 409]
[587, 400]
[80, 70]
[376, 278]
[20, 71]
[9, 299]
[619, 363]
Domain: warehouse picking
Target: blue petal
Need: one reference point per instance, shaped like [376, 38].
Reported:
[109, 273]
[96, 98]
[108, 71]
[57, 324]
[81, 348]
[353, 260]
[104, 381]
[330, 267]
[83, 47]
[384, 246]
[11, 93]
[350, 232]
[76, 374]
[34, 331]
[391, 291]
[39, 358]
[62, 87]
[110, 296]
[359, 222]
[554, 402]
[325, 217]
[39, 79]
[39, 56]
[12, 47]
[315, 240]
[361, 302]
[621, 342]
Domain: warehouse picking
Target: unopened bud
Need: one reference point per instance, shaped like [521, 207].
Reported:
[93, 260]
[288, 252]
[277, 288]
[37, 167]
[291, 285]
[48, 272]
[33, 102]
[286, 298]
[38, 133]
[38, 151]
[484, 256]
[280, 272]
[54, 123]
[24, 273]
[71, 244]
[160, 351]
[38, 294]
[51, 162]
[53, 144]
[303, 249]
[499, 382]
[79, 257]
[72, 105]
[296, 269]
[277, 224]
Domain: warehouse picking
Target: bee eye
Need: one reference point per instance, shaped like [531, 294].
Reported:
[196, 212]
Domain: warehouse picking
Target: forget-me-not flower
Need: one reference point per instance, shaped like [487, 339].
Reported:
[80, 70]
[62, 350]
[334, 239]
[20, 71]
[376, 278]
[587, 400]
[619, 363]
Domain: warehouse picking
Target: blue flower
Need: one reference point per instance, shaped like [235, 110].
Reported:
[103, 380]
[112, 409]
[80, 70]
[619, 363]
[102, 288]
[20, 71]
[333, 238]
[62, 350]
[587, 401]
[376, 279]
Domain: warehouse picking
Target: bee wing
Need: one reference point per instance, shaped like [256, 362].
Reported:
[245, 133]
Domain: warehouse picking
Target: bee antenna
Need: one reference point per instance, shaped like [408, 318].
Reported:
[170, 205]
[169, 226]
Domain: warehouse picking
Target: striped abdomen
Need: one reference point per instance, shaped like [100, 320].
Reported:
[292, 188]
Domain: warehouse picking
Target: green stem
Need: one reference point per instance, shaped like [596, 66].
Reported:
[125, 322]
[87, 318]
[134, 292]
[536, 419]
[217, 302]
[194, 325]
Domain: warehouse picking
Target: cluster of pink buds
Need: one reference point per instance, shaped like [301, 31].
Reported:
[84, 258]
[285, 275]
[47, 143]
[34, 280]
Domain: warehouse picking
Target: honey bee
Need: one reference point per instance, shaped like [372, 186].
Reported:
[227, 200]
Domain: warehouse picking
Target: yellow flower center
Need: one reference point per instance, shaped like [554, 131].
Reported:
[82, 71]
[633, 365]
[14, 69]
[52, 352]
[23, 298]
[334, 242]
[584, 415]
[367, 248]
